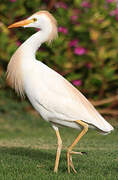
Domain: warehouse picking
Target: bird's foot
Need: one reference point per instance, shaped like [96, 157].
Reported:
[69, 160]
[84, 153]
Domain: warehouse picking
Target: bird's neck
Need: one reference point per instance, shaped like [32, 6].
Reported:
[31, 45]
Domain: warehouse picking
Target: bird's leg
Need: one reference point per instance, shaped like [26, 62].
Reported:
[58, 149]
[69, 151]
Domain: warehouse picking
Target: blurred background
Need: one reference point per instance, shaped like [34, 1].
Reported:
[86, 51]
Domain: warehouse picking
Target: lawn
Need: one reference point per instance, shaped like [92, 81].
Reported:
[28, 147]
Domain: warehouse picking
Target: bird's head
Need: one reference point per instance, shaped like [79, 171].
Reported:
[42, 20]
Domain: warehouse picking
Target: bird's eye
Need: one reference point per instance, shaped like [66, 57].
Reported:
[34, 19]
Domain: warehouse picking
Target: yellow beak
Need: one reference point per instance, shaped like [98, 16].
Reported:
[21, 23]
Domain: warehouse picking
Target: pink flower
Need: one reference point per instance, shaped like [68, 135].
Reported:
[73, 43]
[86, 4]
[74, 18]
[116, 17]
[77, 82]
[61, 5]
[38, 29]
[109, 1]
[12, 0]
[88, 65]
[116, 11]
[112, 13]
[63, 30]
[79, 51]
[75, 11]
[18, 43]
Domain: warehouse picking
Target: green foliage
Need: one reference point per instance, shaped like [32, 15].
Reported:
[93, 60]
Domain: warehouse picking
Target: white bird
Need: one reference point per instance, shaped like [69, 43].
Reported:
[57, 101]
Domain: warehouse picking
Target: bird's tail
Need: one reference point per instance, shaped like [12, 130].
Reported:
[103, 125]
[98, 121]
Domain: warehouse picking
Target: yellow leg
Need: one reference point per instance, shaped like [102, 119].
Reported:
[58, 151]
[69, 151]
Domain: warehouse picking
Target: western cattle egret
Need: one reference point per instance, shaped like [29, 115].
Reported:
[57, 101]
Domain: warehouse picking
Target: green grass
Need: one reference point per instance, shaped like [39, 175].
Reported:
[28, 147]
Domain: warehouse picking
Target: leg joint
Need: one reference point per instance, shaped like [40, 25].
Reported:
[83, 124]
[86, 127]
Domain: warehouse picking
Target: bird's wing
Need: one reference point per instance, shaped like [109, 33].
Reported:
[64, 99]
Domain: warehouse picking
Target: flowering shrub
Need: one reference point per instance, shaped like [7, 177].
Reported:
[86, 51]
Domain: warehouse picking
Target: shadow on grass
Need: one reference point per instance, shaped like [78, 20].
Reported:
[42, 156]
[40, 162]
